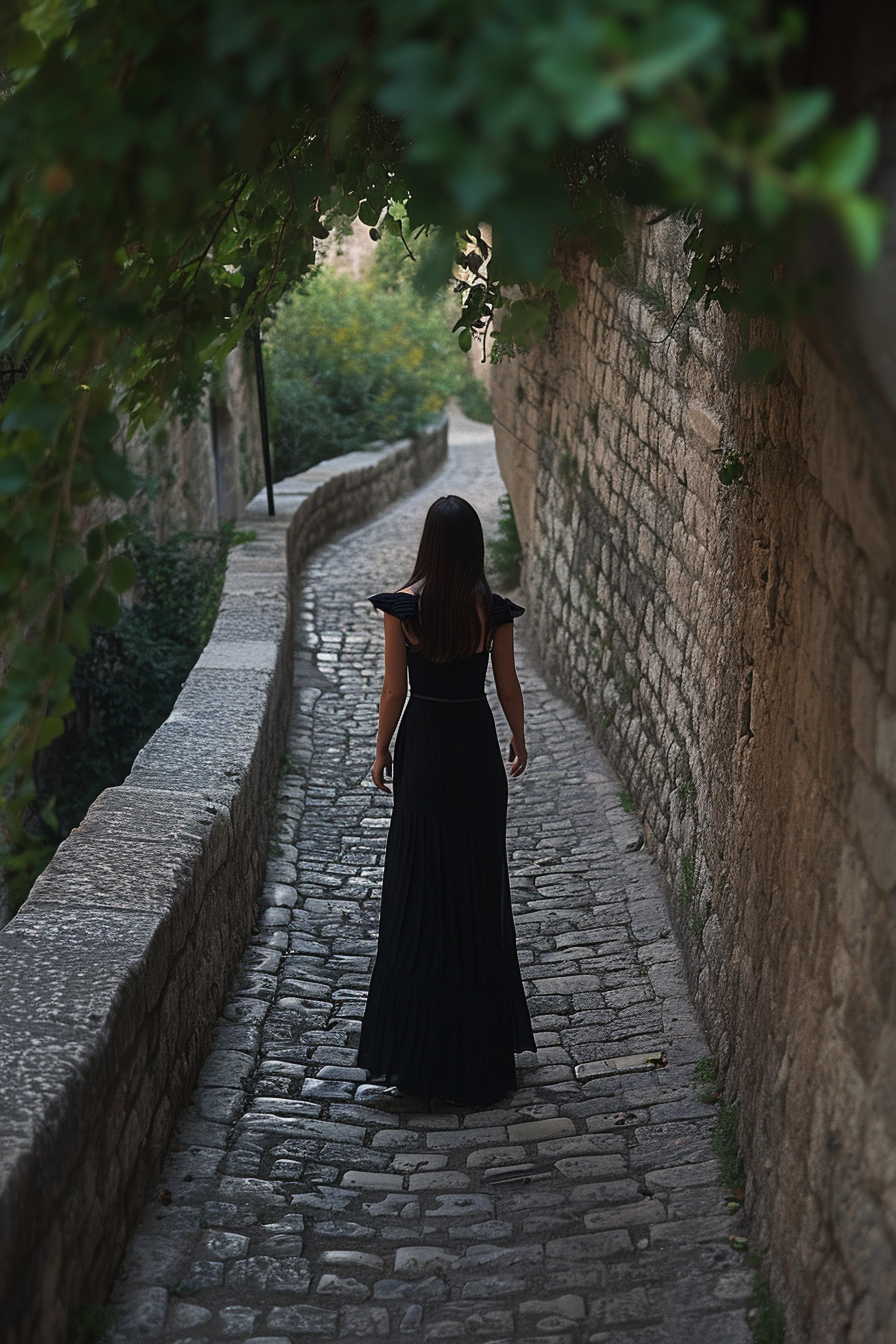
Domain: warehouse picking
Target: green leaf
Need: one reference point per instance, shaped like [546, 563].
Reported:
[118, 529]
[68, 558]
[862, 220]
[769, 197]
[13, 709]
[24, 51]
[113, 474]
[59, 660]
[731, 470]
[37, 547]
[796, 114]
[94, 544]
[594, 108]
[761, 365]
[121, 573]
[104, 609]
[100, 430]
[48, 811]
[847, 157]
[681, 38]
[14, 475]
[29, 408]
[157, 183]
[11, 563]
[51, 728]
[159, 194]
[76, 629]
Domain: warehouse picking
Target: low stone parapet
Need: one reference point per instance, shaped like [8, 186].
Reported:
[114, 971]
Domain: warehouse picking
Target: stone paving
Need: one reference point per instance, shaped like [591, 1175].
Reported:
[585, 1208]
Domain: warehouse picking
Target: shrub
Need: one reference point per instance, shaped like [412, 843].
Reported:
[350, 362]
[126, 684]
[474, 401]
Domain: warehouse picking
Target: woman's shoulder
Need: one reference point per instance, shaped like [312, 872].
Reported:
[503, 610]
[402, 604]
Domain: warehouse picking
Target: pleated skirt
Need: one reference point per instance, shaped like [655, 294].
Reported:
[446, 1010]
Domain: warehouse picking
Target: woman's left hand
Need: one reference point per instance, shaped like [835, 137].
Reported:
[518, 757]
[381, 767]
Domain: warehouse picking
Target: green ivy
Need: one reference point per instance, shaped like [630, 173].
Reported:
[167, 165]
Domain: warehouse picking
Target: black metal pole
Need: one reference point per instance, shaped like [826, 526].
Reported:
[263, 417]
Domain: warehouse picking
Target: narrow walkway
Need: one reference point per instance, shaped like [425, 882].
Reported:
[587, 1208]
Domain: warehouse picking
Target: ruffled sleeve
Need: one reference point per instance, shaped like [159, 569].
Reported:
[503, 610]
[402, 605]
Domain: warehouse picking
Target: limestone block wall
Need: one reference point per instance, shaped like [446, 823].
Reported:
[203, 471]
[734, 650]
[115, 969]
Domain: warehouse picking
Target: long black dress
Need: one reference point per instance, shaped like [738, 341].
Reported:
[446, 1010]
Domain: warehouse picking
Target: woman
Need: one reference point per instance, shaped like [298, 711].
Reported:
[446, 1011]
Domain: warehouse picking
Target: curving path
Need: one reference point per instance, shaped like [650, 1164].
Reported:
[587, 1208]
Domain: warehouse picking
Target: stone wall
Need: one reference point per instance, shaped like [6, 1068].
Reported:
[194, 474]
[115, 969]
[734, 650]
[202, 470]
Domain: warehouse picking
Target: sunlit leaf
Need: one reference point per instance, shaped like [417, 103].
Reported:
[862, 220]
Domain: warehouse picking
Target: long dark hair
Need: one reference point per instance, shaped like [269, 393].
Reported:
[456, 601]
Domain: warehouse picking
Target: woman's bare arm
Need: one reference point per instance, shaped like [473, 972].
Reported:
[392, 697]
[510, 695]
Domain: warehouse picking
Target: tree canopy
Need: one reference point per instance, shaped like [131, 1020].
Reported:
[166, 166]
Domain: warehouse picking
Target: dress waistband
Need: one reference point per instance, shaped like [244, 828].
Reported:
[438, 700]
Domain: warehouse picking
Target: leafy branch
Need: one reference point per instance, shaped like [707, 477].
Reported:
[166, 169]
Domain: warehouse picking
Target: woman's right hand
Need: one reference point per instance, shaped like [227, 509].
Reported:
[382, 765]
[518, 757]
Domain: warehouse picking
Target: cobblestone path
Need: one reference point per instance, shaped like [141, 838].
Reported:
[586, 1208]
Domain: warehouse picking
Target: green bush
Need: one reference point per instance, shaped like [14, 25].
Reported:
[350, 361]
[474, 401]
[126, 684]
